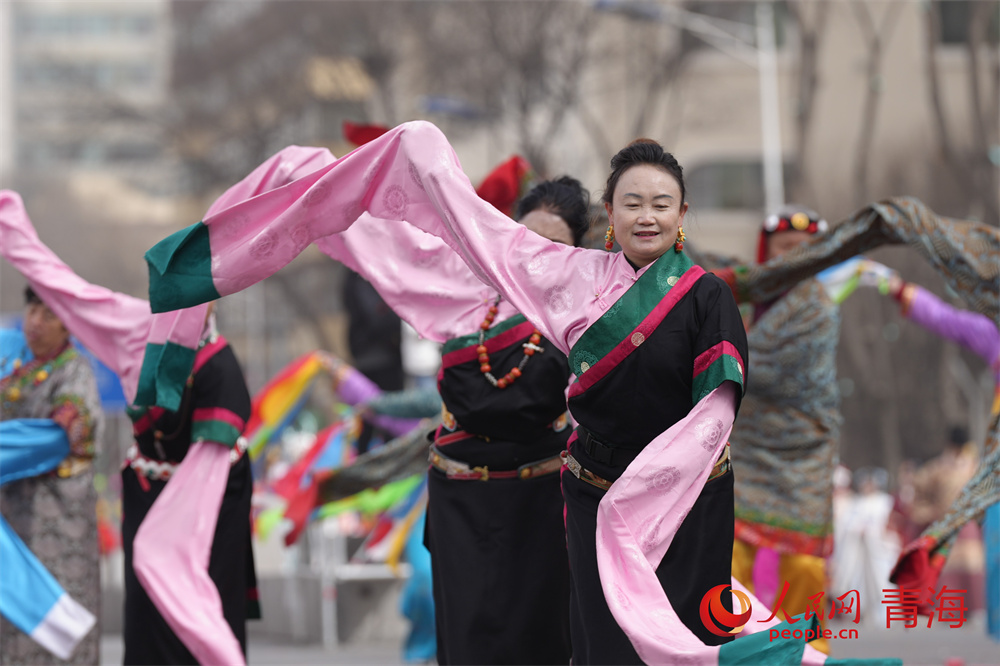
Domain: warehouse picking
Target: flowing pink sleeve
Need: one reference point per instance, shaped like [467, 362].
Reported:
[639, 516]
[637, 520]
[283, 167]
[418, 275]
[172, 550]
[112, 325]
[409, 174]
[972, 330]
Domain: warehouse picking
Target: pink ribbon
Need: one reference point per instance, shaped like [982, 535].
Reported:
[172, 549]
[636, 523]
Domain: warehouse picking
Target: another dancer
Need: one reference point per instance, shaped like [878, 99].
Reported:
[176, 589]
[979, 334]
[55, 513]
[503, 388]
[785, 446]
[214, 409]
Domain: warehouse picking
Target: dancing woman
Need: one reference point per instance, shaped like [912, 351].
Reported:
[504, 422]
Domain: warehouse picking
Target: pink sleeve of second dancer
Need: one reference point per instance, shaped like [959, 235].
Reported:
[410, 174]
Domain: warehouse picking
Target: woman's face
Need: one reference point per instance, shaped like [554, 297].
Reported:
[43, 330]
[785, 241]
[548, 225]
[646, 211]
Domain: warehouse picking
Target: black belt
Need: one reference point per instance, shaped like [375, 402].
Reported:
[603, 452]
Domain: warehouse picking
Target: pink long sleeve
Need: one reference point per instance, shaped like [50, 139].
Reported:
[172, 550]
[409, 174]
[422, 279]
[639, 516]
[112, 325]
[116, 326]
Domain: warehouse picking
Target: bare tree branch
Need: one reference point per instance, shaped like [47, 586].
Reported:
[810, 33]
[876, 37]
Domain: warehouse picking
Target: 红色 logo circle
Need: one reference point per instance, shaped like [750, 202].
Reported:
[717, 619]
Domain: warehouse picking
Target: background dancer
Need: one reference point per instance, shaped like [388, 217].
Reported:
[116, 328]
[785, 444]
[979, 334]
[214, 409]
[55, 513]
[503, 391]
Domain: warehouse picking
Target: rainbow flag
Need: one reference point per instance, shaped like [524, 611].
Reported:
[279, 401]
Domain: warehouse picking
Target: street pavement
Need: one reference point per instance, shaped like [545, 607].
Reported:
[937, 646]
[264, 652]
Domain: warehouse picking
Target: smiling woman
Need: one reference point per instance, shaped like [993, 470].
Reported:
[645, 202]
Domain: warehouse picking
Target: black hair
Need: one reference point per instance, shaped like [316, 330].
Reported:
[642, 151]
[564, 196]
[30, 297]
[958, 436]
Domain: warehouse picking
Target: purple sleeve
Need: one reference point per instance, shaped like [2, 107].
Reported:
[972, 330]
[354, 388]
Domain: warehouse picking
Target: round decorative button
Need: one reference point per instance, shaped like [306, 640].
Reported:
[672, 280]
[638, 338]
[584, 366]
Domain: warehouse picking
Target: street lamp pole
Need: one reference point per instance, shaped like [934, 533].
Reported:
[770, 120]
[736, 40]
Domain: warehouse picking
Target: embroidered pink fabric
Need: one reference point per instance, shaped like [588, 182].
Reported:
[638, 518]
[422, 279]
[172, 549]
[411, 177]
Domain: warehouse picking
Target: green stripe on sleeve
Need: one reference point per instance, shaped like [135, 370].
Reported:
[180, 270]
[723, 368]
[214, 431]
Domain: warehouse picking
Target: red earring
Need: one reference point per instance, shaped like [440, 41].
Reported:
[679, 243]
[609, 238]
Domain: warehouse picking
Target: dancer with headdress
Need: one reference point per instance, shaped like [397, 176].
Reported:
[786, 442]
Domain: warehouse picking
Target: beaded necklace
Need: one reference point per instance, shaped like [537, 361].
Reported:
[530, 347]
[33, 373]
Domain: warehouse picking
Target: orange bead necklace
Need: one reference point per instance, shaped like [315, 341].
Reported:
[530, 347]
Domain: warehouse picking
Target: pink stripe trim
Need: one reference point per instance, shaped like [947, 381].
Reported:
[207, 352]
[706, 358]
[218, 414]
[147, 420]
[645, 328]
[497, 343]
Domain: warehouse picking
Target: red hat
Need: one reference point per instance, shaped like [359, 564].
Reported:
[505, 185]
[359, 135]
[789, 218]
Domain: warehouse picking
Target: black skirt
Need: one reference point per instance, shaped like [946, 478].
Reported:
[501, 579]
[147, 636]
[699, 558]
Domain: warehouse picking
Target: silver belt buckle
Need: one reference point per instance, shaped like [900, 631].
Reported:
[571, 463]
